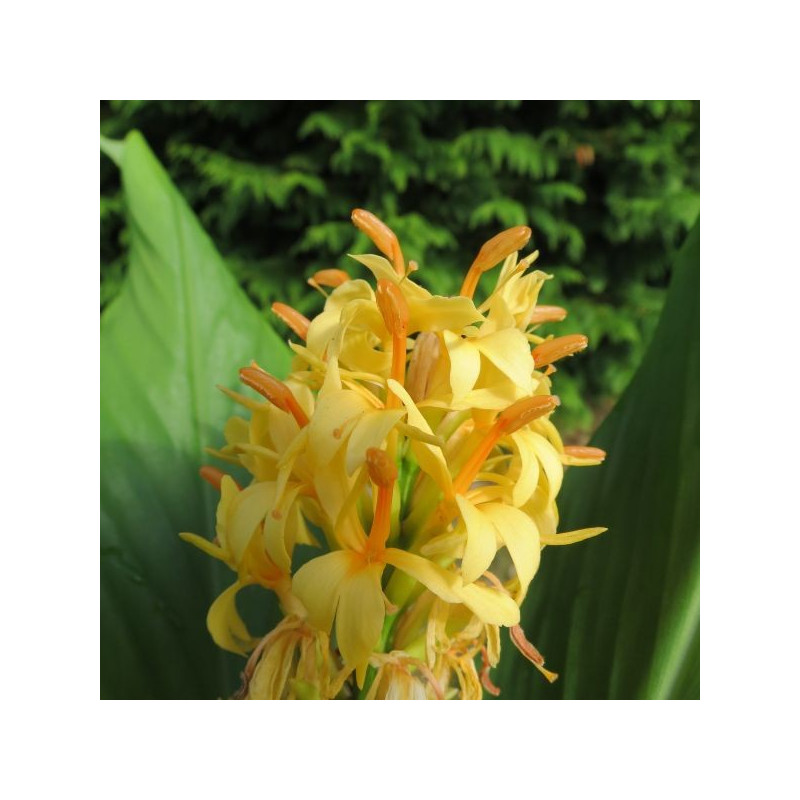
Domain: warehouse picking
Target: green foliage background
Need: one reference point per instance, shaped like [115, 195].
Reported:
[610, 189]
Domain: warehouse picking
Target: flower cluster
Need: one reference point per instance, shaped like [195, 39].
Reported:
[412, 445]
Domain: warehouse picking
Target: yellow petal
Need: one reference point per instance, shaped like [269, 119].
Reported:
[359, 618]
[226, 626]
[508, 350]
[383, 270]
[275, 532]
[247, 511]
[465, 363]
[370, 431]
[521, 537]
[441, 582]
[442, 313]
[335, 416]
[550, 460]
[431, 458]
[491, 606]
[481, 546]
[572, 536]
[528, 476]
[229, 491]
[318, 582]
[209, 548]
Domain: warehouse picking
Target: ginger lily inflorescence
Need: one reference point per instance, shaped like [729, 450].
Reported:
[412, 451]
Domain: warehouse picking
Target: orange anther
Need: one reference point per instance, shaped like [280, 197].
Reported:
[382, 470]
[382, 235]
[213, 476]
[329, 277]
[519, 414]
[492, 253]
[548, 314]
[554, 349]
[276, 392]
[587, 453]
[294, 319]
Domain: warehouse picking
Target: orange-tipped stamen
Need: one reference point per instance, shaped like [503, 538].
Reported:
[542, 314]
[516, 416]
[492, 253]
[394, 310]
[382, 235]
[383, 473]
[530, 652]
[329, 277]
[585, 453]
[560, 347]
[213, 476]
[276, 392]
[294, 319]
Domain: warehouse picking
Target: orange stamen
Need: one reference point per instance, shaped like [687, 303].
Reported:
[543, 314]
[276, 392]
[560, 347]
[512, 419]
[213, 476]
[394, 310]
[588, 453]
[329, 277]
[492, 253]
[294, 319]
[383, 473]
[382, 235]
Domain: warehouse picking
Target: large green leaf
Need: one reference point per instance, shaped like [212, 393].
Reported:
[619, 616]
[180, 325]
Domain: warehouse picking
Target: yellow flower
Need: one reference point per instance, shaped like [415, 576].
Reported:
[413, 445]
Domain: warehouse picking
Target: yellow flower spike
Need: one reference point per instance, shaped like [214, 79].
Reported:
[560, 347]
[276, 392]
[394, 310]
[492, 253]
[542, 314]
[390, 380]
[293, 318]
[382, 235]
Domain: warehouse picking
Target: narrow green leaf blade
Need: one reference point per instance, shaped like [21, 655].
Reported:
[180, 325]
[618, 616]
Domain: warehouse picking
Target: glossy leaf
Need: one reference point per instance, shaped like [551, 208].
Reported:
[618, 616]
[180, 325]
